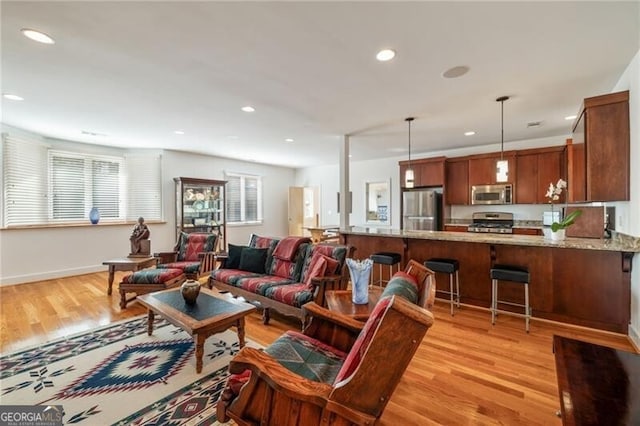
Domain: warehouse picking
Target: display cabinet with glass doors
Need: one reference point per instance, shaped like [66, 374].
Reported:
[200, 207]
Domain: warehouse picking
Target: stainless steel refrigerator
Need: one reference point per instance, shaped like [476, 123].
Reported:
[421, 210]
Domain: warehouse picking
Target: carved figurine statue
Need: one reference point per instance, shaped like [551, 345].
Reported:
[139, 238]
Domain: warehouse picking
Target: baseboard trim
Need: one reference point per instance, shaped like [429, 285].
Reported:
[634, 337]
[50, 275]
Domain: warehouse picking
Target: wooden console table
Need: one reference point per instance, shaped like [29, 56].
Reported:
[597, 385]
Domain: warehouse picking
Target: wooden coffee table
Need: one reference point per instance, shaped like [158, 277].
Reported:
[211, 314]
[341, 301]
[127, 264]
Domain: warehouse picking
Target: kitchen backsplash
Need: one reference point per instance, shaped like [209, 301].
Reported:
[522, 213]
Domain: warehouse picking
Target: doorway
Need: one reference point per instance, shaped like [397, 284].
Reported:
[304, 210]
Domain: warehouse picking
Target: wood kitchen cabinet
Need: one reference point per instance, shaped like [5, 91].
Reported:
[456, 228]
[527, 231]
[456, 182]
[603, 128]
[537, 168]
[482, 168]
[426, 172]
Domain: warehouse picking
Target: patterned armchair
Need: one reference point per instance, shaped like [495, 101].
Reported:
[338, 371]
[193, 253]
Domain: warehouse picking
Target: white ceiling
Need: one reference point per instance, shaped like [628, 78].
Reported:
[137, 71]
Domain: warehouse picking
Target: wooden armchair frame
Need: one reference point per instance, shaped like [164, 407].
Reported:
[276, 396]
[426, 278]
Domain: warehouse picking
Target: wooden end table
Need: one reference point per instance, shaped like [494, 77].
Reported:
[597, 385]
[341, 301]
[127, 264]
[211, 314]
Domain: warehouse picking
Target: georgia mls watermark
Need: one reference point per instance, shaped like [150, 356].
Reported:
[31, 415]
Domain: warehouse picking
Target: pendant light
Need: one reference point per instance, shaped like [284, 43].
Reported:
[408, 174]
[502, 166]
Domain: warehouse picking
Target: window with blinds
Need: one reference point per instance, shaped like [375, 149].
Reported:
[244, 198]
[80, 182]
[25, 181]
[44, 186]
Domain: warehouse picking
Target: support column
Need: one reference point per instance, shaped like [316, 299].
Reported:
[344, 183]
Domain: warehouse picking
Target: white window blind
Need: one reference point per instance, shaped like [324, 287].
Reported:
[42, 185]
[80, 182]
[144, 187]
[25, 181]
[244, 198]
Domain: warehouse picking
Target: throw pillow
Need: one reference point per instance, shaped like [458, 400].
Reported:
[317, 267]
[253, 259]
[233, 259]
[332, 265]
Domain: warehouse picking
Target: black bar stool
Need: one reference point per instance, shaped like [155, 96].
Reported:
[450, 267]
[385, 258]
[516, 274]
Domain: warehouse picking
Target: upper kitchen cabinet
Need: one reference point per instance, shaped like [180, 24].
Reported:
[456, 185]
[200, 207]
[537, 168]
[482, 168]
[426, 171]
[603, 128]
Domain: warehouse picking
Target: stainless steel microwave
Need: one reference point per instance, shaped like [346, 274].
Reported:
[492, 194]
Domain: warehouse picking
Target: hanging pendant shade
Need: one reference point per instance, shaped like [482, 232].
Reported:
[502, 165]
[408, 174]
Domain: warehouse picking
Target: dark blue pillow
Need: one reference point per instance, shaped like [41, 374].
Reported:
[253, 259]
[233, 259]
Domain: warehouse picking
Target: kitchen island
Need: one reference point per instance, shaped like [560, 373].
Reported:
[579, 281]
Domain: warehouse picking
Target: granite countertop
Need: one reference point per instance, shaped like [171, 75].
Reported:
[618, 242]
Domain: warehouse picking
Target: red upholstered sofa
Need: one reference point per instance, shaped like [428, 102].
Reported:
[295, 272]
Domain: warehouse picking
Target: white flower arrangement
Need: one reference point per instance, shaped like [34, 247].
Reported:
[553, 194]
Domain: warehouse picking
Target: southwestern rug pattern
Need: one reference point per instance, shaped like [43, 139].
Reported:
[119, 375]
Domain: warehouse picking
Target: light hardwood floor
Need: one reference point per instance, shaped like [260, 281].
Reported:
[465, 372]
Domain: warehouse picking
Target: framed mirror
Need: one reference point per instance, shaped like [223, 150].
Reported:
[378, 202]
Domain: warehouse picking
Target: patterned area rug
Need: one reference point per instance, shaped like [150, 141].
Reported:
[119, 375]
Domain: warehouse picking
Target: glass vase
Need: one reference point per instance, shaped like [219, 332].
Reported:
[94, 216]
[360, 272]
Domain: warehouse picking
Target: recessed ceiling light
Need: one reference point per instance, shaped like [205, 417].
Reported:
[385, 55]
[248, 108]
[179, 132]
[288, 140]
[471, 133]
[570, 117]
[456, 72]
[350, 155]
[37, 36]
[13, 97]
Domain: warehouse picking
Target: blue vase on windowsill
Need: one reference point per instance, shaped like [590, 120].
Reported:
[94, 216]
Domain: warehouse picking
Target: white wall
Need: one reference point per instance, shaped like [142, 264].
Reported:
[44, 253]
[628, 213]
